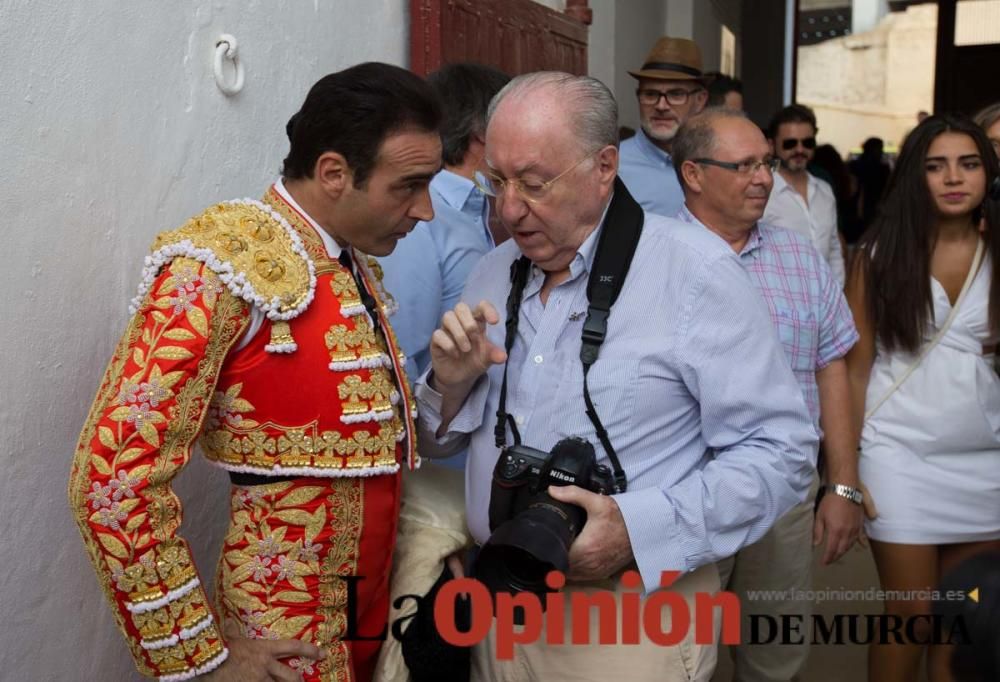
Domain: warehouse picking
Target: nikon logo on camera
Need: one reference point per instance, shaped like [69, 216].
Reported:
[562, 476]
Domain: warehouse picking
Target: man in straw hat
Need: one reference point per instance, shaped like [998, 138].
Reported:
[671, 90]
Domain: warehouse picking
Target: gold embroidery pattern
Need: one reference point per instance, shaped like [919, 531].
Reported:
[263, 569]
[340, 342]
[79, 484]
[347, 508]
[348, 346]
[360, 396]
[408, 405]
[286, 539]
[199, 650]
[255, 244]
[307, 446]
[228, 408]
[343, 286]
[312, 241]
[135, 440]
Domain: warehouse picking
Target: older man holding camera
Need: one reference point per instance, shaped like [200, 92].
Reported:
[665, 364]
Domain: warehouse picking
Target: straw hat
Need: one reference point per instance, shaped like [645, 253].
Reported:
[672, 59]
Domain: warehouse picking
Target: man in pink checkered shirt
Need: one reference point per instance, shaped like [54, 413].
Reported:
[726, 171]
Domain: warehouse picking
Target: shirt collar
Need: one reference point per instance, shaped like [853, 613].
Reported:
[453, 188]
[332, 247]
[582, 261]
[651, 150]
[780, 184]
[754, 242]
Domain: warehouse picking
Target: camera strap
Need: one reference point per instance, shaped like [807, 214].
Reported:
[519, 270]
[619, 238]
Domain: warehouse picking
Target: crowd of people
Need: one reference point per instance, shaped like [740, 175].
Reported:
[723, 345]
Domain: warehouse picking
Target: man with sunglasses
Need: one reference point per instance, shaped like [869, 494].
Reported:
[696, 402]
[670, 91]
[727, 171]
[800, 201]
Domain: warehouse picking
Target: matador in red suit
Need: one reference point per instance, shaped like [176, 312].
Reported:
[260, 330]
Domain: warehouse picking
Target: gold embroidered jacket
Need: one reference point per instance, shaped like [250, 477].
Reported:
[317, 392]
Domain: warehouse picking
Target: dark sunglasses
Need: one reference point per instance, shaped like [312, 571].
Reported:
[791, 143]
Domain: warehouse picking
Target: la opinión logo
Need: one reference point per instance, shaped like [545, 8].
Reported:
[626, 611]
[523, 618]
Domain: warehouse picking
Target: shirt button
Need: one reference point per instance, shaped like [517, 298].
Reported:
[538, 359]
[519, 419]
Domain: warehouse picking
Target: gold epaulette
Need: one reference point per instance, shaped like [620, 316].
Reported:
[254, 251]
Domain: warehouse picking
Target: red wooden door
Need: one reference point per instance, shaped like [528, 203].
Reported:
[515, 36]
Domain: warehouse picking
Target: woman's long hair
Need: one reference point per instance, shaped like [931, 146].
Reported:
[896, 250]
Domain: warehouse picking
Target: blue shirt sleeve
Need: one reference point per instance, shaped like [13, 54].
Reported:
[754, 420]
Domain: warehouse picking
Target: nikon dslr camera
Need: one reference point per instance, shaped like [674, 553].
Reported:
[531, 531]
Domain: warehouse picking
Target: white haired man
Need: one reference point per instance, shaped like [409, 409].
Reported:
[689, 400]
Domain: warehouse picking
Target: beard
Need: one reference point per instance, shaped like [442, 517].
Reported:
[659, 134]
[797, 162]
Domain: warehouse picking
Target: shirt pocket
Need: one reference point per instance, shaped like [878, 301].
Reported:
[798, 332]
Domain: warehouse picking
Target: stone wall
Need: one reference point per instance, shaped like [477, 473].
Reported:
[872, 83]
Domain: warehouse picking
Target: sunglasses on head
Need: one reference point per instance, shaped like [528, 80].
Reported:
[791, 143]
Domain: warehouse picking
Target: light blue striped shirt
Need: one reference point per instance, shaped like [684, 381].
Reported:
[648, 172]
[691, 384]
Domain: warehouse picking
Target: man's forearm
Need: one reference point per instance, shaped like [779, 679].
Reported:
[452, 398]
[837, 423]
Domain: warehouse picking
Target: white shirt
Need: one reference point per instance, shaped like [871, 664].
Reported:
[817, 221]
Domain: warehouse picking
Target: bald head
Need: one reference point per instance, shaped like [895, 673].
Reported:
[723, 163]
[698, 137]
[581, 105]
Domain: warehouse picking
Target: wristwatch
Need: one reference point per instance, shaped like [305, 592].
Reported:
[846, 491]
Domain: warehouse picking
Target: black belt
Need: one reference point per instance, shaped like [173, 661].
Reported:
[239, 478]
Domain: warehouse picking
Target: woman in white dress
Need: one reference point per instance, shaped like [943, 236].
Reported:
[926, 300]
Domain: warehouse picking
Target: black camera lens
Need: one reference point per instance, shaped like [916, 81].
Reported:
[522, 551]
[520, 569]
[532, 531]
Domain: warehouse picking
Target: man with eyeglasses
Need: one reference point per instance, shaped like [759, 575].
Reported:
[801, 201]
[670, 91]
[690, 384]
[726, 168]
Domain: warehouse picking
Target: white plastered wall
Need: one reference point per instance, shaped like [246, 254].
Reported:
[112, 129]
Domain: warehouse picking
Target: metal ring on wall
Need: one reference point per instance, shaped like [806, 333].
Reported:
[225, 47]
